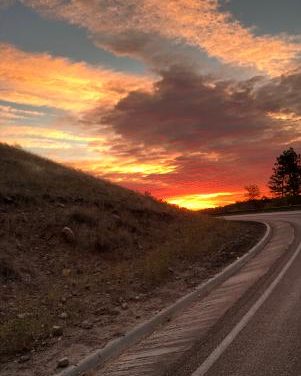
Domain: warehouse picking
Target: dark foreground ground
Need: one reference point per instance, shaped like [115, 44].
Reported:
[83, 260]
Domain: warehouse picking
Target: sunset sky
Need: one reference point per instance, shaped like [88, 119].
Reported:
[187, 99]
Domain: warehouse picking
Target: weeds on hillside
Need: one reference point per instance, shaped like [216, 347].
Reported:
[124, 243]
[17, 335]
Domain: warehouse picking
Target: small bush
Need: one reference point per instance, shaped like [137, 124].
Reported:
[7, 272]
[86, 216]
[18, 335]
[155, 266]
[113, 239]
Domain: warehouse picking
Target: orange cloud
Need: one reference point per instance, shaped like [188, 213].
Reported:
[43, 80]
[196, 22]
[47, 139]
[123, 169]
[100, 160]
[202, 24]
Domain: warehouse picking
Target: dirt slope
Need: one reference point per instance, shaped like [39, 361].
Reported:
[82, 260]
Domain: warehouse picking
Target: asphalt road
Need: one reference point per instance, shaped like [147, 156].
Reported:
[263, 336]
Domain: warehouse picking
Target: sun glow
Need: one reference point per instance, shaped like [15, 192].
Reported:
[203, 201]
[284, 116]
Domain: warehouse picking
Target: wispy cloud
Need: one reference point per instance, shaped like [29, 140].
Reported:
[130, 27]
[11, 114]
[43, 80]
[45, 137]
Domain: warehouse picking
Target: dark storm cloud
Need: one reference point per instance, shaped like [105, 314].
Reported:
[185, 110]
[282, 94]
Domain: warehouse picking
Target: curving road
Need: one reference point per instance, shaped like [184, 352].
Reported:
[247, 325]
[263, 335]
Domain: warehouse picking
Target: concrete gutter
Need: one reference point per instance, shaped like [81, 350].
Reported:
[114, 348]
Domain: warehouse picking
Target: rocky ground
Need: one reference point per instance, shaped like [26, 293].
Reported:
[82, 260]
[59, 304]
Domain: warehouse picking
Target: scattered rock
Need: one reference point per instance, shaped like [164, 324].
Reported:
[117, 217]
[27, 278]
[66, 272]
[57, 330]
[124, 306]
[64, 299]
[24, 358]
[118, 334]
[8, 272]
[21, 316]
[63, 315]
[24, 218]
[18, 244]
[99, 311]
[86, 324]
[115, 312]
[8, 200]
[63, 363]
[68, 235]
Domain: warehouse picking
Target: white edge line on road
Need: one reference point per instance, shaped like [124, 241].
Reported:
[116, 347]
[262, 214]
[216, 354]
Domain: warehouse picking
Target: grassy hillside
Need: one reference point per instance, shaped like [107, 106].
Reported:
[69, 241]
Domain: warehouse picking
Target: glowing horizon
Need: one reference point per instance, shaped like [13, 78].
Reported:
[205, 201]
[191, 103]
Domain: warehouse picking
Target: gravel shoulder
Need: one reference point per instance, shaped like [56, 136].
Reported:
[90, 314]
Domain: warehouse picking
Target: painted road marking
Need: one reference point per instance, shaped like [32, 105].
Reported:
[151, 356]
[216, 354]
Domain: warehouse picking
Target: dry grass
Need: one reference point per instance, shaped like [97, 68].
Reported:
[125, 244]
[19, 334]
